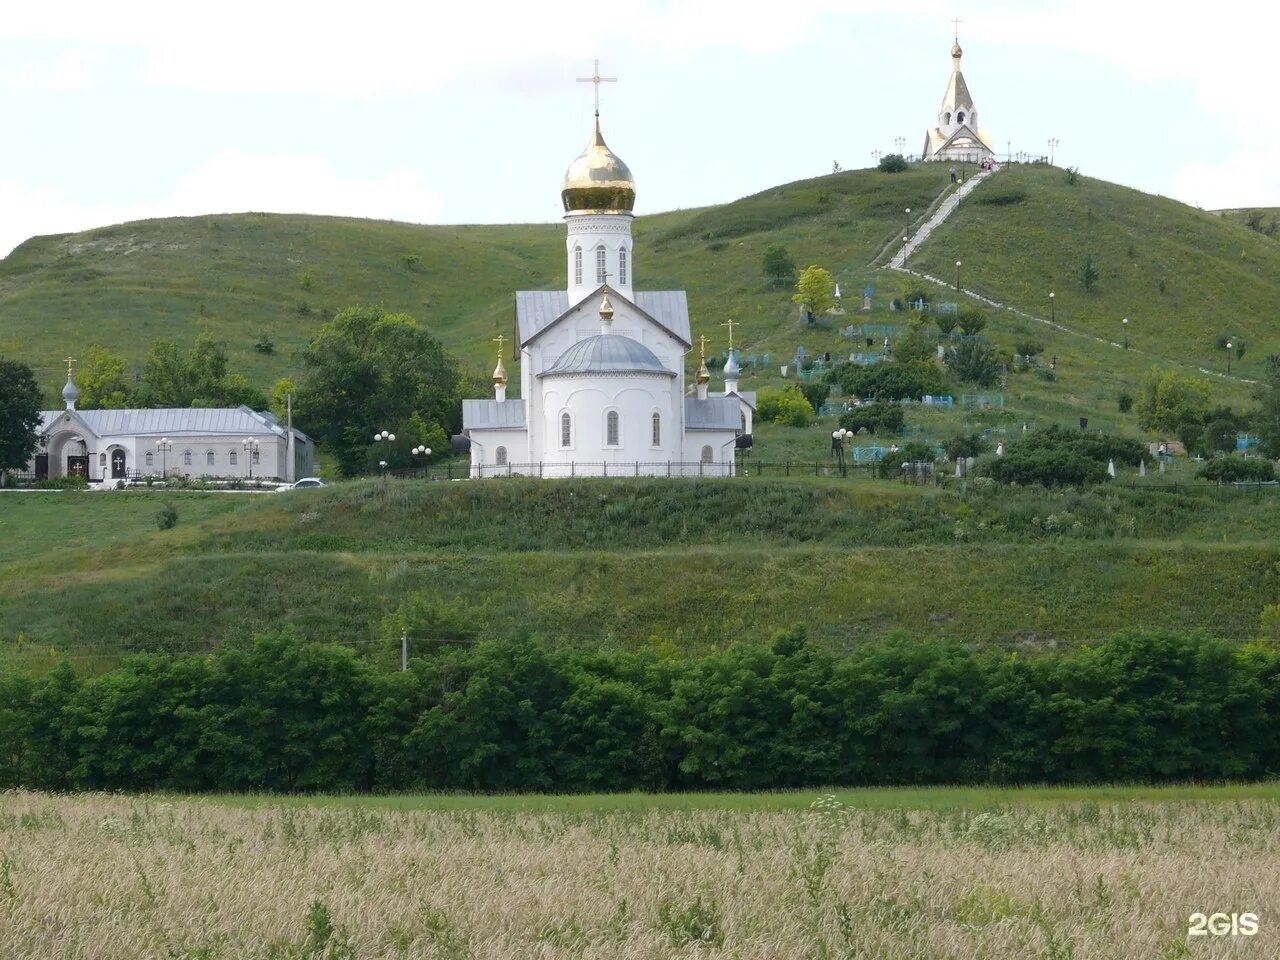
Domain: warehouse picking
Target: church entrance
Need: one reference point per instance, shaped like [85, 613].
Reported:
[117, 464]
[42, 466]
[78, 467]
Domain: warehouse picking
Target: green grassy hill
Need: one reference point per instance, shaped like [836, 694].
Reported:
[683, 565]
[1182, 275]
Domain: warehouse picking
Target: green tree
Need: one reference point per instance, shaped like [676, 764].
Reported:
[892, 163]
[370, 370]
[945, 322]
[200, 378]
[1266, 418]
[779, 268]
[784, 404]
[1089, 274]
[1170, 399]
[816, 290]
[103, 380]
[973, 361]
[915, 347]
[280, 393]
[19, 414]
[971, 322]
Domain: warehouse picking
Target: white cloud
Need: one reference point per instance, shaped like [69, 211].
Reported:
[1245, 179]
[227, 182]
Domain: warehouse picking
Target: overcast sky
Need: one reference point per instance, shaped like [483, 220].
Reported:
[468, 112]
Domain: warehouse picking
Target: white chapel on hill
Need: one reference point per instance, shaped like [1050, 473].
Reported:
[957, 137]
[602, 364]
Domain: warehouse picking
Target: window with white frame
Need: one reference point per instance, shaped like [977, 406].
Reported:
[500, 456]
[151, 459]
[602, 272]
[233, 458]
[257, 457]
[657, 429]
[707, 454]
[209, 459]
[577, 265]
[622, 265]
[611, 428]
[566, 430]
[186, 458]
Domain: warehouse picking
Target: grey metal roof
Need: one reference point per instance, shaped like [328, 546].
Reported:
[607, 353]
[536, 310]
[173, 422]
[713, 413]
[747, 396]
[493, 415]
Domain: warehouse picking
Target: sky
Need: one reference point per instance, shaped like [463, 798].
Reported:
[469, 112]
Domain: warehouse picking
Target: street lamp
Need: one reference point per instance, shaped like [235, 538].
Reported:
[875, 156]
[838, 438]
[164, 445]
[250, 446]
[384, 437]
[900, 143]
[422, 450]
[957, 276]
[1228, 358]
[1053, 145]
[905, 250]
[1053, 311]
[1125, 323]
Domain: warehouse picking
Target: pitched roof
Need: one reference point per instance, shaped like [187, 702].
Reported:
[173, 422]
[493, 415]
[713, 413]
[539, 310]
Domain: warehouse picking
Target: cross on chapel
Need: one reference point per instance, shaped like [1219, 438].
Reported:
[729, 323]
[69, 363]
[702, 346]
[596, 79]
[499, 340]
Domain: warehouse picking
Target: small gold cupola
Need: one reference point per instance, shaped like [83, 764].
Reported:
[500, 372]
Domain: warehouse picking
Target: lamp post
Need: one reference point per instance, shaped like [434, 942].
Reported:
[1053, 311]
[905, 250]
[875, 156]
[164, 445]
[1229, 358]
[422, 451]
[900, 143]
[1053, 146]
[1125, 324]
[957, 276]
[384, 437]
[250, 446]
[838, 438]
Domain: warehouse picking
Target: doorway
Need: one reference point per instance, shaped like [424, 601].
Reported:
[117, 464]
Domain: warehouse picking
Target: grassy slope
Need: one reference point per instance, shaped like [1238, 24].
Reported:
[680, 564]
[237, 276]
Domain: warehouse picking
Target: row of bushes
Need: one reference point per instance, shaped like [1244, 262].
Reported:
[287, 715]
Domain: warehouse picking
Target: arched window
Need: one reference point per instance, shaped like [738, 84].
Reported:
[657, 429]
[102, 459]
[622, 265]
[946, 119]
[960, 117]
[233, 458]
[577, 265]
[186, 458]
[151, 459]
[742, 418]
[500, 456]
[602, 273]
[257, 458]
[566, 430]
[209, 459]
[611, 428]
[707, 454]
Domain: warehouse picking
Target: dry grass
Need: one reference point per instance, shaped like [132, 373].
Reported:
[110, 878]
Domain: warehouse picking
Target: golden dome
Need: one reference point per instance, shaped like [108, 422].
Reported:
[500, 372]
[598, 181]
[956, 51]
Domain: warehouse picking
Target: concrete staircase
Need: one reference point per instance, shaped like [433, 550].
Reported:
[903, 256]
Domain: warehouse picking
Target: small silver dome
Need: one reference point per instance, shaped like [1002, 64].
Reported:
[70, 391]
[731, 365]
[607, 353]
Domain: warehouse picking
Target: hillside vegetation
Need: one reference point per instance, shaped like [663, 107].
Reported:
[1183, 276]
[680, 565]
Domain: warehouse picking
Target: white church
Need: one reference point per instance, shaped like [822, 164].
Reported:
[602, 365]
[957, 137]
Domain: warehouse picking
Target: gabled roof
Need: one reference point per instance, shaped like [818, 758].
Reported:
[940, 141]
[172, 422]
[493, 415]
[539, 310]
[746, 396]
[713, 413]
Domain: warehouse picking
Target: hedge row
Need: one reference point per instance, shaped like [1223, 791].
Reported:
[284, 714]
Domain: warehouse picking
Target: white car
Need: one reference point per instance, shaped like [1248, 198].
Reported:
[304, 483]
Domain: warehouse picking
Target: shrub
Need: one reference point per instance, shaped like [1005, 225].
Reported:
[888, 381]
[779, 268]
[816, 392]
[1125, 401]
[972, 445]
[878, 417]
[1238, 470]
[264, 344]
[1088, 274]
[890, 465]
[1218, 436]
[786, 405]
[1001, 198]
[1056, 457]
[167, 517]
[973, 361]
[971, 322]
[62, 483]
[1028, 348]
[945, 322]
[892, 163]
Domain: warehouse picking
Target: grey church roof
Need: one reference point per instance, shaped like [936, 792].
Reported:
[172, 422]
[607, 353]
[536, 310]
[493, 415]
[713, 413]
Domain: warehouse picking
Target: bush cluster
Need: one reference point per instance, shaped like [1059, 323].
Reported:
[282, 714]
[888, 381]
[1238, 470]
[878, 417]
[1057, 457]
[786, 405]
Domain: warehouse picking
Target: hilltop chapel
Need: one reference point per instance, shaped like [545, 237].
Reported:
[957, 137]
[602, 364]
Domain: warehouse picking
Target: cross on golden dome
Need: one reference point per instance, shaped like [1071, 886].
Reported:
[597, 80]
